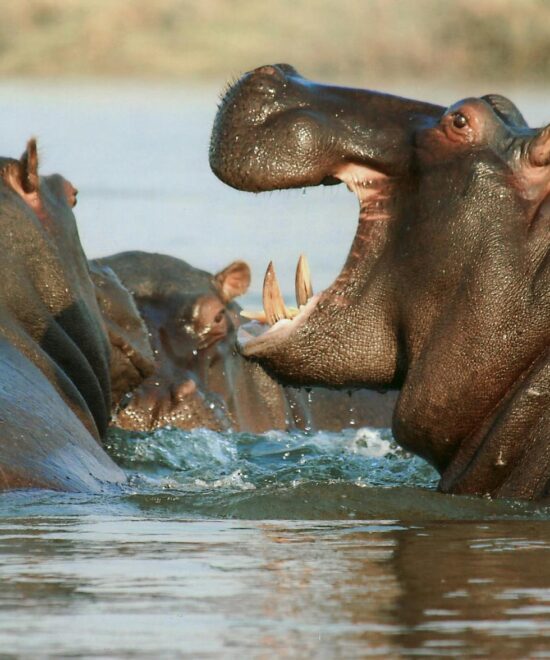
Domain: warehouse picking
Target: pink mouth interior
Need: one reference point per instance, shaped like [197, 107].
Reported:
[368, 186]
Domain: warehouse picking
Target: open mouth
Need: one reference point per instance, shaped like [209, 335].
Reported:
[278, 321]
[275, 130]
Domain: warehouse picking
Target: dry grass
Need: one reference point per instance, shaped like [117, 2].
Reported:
[349, 39]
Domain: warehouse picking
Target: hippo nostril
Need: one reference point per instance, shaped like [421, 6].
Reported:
[268, 70]
[278, 71]
[125, 401]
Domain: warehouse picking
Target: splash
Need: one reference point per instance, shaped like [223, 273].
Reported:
[356, 474]
[171, 459]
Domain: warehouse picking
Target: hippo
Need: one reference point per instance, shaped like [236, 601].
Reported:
[189, 314]
[131, 356]
[445, 293]
[54, 381]
[199, 379]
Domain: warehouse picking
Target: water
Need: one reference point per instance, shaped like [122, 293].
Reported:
[106, 586]
[237, 545]
[293, 545]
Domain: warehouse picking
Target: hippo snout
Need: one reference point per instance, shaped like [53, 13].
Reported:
[261, 85]
[278, 71]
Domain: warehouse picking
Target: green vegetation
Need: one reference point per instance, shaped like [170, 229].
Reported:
[349, 39]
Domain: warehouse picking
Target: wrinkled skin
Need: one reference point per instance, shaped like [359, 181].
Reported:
[445, 293]
[54, 381]
[199, 379]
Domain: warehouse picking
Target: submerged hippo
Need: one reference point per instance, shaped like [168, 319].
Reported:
[191, 318]
[445, 293]
[131, 356]
[54, 380]
[199, 379]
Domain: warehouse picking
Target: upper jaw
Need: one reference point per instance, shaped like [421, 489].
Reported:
[275, 129]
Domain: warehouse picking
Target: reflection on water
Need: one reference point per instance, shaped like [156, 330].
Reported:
[146, 587]
[292, 545]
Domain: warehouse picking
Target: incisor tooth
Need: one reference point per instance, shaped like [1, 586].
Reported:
[303, 287]
[274, 305]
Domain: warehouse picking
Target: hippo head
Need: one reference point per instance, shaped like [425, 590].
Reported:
[49, 294]
[186, 309]
[190, 315]
[445, 291]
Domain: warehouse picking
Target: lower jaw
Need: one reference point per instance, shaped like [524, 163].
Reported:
[254, 339]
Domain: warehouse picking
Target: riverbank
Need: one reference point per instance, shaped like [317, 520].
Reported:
[353, 41]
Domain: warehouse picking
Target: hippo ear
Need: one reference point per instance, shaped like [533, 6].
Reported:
[29, 168]
[538, 150]
[234, 280]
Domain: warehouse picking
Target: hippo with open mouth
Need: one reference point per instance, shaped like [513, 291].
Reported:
[445, 293]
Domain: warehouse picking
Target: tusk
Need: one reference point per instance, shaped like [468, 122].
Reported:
[303, 287]
[274, 305]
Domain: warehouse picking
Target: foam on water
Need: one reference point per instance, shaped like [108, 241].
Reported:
[171, 459]
[355, 474]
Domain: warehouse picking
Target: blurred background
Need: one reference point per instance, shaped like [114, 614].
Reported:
[351, 40]
[122, 94]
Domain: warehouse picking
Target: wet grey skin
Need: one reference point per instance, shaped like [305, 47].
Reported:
[131, 356]
[445, 292]
[54, 350]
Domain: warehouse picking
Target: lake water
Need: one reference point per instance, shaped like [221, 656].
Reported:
[235, 545]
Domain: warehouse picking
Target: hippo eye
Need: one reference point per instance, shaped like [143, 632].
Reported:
[218, 318]
[459, 120]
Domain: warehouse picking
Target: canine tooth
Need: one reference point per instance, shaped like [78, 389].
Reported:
[303, 287]
[274, 305]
